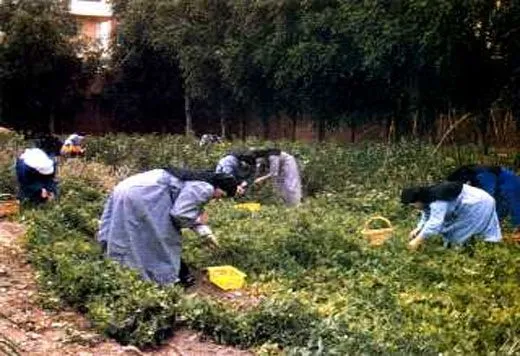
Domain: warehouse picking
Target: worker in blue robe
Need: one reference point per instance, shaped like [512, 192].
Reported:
[453, 210]
[241, 165]
[35, 172]
[285, 173]
[143, 217]
[499, 182]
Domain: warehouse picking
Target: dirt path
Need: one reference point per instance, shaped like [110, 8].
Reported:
[40, 332]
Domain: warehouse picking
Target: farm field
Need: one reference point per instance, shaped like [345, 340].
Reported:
[314, 284]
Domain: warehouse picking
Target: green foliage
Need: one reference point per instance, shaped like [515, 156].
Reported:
[333, 60]
[40, 71]
[315, 286]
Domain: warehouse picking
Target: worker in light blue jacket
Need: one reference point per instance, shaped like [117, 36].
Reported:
[241, 165]
[453, 210]
[143, 217]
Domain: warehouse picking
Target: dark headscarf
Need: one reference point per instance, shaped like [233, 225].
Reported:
[49, 143]
[266, 152]
[246, 156]
[223, 181]
[446, 191]
[469, 173]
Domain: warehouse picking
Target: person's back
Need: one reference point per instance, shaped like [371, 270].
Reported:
[35, 172]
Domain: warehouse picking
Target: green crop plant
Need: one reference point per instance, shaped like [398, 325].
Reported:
[318, 287]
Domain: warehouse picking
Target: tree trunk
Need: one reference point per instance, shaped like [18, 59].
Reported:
[294, 127]
[222, 121]
[353, 131]
[483, 121]
[243, 128]
[415, 124]
[321, 130]
[390, 129]
[52, 122]
[265, 124]
[187, 112]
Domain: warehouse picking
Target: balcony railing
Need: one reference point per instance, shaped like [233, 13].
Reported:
[90, 8]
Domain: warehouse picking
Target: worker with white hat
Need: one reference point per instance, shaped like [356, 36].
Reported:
[35, 172]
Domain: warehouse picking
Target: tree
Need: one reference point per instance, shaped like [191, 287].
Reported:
[40, 72]
[400, 62]
[146, 93]
[193, 32]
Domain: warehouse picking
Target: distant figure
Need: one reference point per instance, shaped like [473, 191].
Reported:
[499, 182]
[72, 145]
[284, 171]
[35, 172]
[454, 210]
[209, 139]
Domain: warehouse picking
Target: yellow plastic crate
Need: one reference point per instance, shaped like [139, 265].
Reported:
[252, 207]
[226, 277]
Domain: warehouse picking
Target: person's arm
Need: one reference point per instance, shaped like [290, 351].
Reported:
[188, 205]
[187, 209]
[433, 224]
[262, 179]
[435, 220]
[274, 169]
[424, 217]
[420, 224]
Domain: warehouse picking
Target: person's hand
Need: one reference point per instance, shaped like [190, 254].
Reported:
[241, 189]
[415, 243]
[45, 193]
[211, 241]
[413, 233]
[50, 196]
[203, 218]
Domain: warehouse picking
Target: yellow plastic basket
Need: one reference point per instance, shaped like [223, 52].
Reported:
[226, 277]
[377, 237]
[252, 207]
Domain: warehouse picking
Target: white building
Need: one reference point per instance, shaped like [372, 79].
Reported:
[96, 21]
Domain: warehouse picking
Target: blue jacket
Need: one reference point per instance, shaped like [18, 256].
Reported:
[501, 183]
[32, 182]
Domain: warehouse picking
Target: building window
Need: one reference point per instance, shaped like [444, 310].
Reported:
[103, 31]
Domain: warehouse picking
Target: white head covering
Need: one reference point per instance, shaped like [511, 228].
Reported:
[74, 139]
[38, 160]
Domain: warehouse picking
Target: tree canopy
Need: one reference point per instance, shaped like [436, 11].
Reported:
[331, 60]
[41, 74]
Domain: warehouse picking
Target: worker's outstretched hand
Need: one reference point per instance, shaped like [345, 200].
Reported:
[45, 194]
[211, 241]
[241, 189]
[413, 234]
[416, 243]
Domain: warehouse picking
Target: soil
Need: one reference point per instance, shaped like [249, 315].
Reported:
[36, 331]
